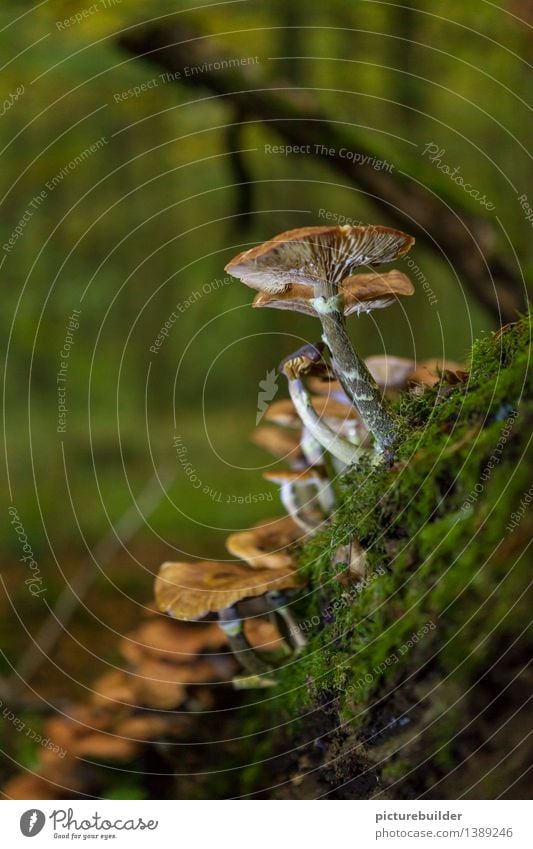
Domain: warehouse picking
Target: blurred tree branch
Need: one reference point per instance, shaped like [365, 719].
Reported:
[427, 204]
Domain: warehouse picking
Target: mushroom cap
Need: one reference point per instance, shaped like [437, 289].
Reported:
[390, 373]
[81, 719]
[163, 685]
[191, 590]
[361, 293]
[27, 786]
[313, 255]
[266, 545]
[295, 476]
[330, 388]
[332, 410]
[429, 372]
[262, 634]
[283, 412]
[167, 639]
[280, 443]
[113, 686]
[105, 747]
[148, 726]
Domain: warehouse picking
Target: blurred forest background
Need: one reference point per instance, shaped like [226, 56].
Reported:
[143, 225]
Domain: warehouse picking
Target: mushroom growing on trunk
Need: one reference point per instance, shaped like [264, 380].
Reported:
[308, 270]
[193, 590]
[306, 361]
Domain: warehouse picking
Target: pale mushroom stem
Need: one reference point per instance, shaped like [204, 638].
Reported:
[316, 455]
[290, 629]
[231, 624]
[353, 374]
[336, 445]
[295, 504]
[312, 450]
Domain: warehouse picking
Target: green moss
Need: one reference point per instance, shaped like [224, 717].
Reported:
[446, 575]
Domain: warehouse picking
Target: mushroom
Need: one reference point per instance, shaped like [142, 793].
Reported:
[163, 685]
[430, 372]
[306, 270]
[282, 444]
[192, 590]
[168, 639]
[113, 686]
[294, 367]
[105, 747]
[390, 373]
[299, 493]
[266, 544]
[329, 387]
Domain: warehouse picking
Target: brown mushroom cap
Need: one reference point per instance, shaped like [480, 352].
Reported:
[390, 373]
[361, 293]
[429, 372]
[262, 634]
[27, 786]
[311, 255]
[267, 544]
[331, 388]
[280, 443]
[332, 410]
[191, 590]
[283, 412]
[148, 726]
[113, 686]
[168, 639]
[105, 747]
[300, 476]
[163, 685]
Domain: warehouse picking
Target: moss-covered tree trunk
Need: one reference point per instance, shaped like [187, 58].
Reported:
[415, 682]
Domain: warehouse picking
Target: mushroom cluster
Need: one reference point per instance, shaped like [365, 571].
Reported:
[310, 270]
[171, 672]
[338, 411]
[232, 620]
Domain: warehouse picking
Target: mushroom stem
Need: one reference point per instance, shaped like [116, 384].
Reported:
[332, 442]
[290, 629]
[292, 501]
[354, 376]
[231, 624]
[315, 455]
[312, 450]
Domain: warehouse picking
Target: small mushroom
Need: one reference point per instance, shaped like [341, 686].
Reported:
[168, 639]
[430, 372]
[113, 686]
[147, 726]
[281, 444]
[390, 373]
[299, 493]
[163, 685]
[105, 747]
[307, 270]
[192, 590]
[267, 545]
[329, 387]
[294, 368]
[263, 635]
